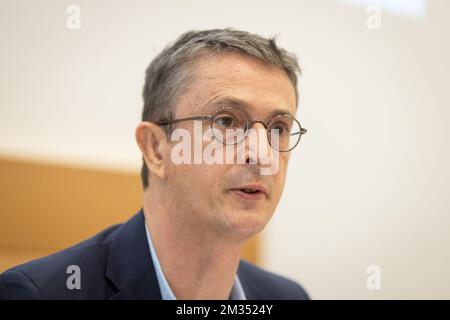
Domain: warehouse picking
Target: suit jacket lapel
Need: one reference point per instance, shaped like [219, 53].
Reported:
[249, 283]
[130, 266]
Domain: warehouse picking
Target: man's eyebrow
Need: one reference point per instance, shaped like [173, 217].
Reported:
[239, 104]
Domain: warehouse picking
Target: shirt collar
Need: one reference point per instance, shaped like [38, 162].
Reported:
[237, 292]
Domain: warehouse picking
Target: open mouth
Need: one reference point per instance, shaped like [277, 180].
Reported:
[249, 193]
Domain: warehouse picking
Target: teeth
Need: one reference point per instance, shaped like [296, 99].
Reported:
[250, 190]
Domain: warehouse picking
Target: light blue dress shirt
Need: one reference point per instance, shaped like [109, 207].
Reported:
[237, 292]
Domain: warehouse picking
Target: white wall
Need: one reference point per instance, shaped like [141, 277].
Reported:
[370, 182]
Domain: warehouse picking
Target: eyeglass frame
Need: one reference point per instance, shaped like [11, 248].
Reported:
[249, 124]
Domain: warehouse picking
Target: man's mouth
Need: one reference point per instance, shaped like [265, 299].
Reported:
[251, 192]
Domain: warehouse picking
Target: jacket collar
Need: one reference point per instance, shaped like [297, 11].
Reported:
[129, 265]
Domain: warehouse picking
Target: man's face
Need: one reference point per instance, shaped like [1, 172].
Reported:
[209, 193]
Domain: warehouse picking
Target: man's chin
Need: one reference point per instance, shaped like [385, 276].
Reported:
[243, 224]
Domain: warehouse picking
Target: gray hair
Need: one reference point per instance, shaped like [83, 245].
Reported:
[170, 72]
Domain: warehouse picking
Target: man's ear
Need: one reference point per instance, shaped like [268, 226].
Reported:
[152, 141]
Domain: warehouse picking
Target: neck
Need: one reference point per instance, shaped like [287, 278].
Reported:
[197, 262]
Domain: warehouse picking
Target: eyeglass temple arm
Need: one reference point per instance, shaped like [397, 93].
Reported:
[302, 131]
[166, 122]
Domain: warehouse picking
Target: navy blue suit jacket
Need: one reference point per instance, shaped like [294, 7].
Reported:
[116, 264]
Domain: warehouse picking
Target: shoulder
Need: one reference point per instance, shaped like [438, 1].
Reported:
[47, 277]
[261, 284]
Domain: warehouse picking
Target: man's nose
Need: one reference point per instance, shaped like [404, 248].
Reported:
[257, 143]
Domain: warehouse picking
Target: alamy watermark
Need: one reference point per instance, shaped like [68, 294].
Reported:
[73, 282]
[373, 281]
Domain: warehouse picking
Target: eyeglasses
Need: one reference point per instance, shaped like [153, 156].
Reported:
[284, 127]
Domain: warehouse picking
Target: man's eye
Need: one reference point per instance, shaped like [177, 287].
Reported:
[225, 122]
[280, 129]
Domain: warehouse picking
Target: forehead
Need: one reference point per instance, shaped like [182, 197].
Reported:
[259, 88]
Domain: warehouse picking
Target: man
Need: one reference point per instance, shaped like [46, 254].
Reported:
[197, 213]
